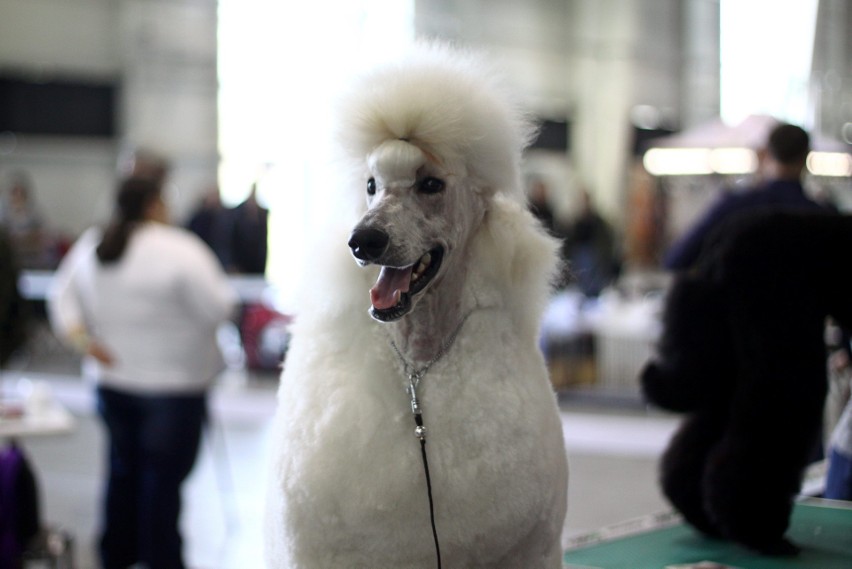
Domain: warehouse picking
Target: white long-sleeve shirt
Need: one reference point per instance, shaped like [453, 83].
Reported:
[156, 310]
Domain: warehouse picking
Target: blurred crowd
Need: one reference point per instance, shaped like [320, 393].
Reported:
[238, 235]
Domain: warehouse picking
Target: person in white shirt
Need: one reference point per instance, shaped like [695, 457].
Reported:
[142, 301]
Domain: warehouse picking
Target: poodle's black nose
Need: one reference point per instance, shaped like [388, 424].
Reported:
[368, 244]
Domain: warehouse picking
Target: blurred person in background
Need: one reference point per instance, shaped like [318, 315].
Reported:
[13, 311]
[591, 249]
[24, 224]
[209, 221]
[248, 230]
[142, 301]
[540, 206]
[781, 166]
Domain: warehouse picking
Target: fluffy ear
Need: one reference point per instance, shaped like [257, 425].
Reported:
[520, 261]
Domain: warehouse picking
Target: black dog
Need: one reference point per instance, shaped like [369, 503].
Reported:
[743, 354]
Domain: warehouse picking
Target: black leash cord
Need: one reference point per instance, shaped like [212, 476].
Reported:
[414, 377]
[418, 419]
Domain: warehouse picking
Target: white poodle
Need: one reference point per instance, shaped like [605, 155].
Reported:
[437, 369]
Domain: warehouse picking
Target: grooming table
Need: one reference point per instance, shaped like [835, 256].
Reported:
[822, 528]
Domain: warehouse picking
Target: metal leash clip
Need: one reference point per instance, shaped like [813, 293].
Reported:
[420, 430]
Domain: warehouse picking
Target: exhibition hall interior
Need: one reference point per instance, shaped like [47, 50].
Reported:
[652, 120]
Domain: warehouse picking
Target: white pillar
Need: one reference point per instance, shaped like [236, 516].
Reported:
[169, 90]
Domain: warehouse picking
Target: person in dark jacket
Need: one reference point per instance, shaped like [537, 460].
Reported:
[590, 248]
[782, 166]
[13, 311]
[248, 234]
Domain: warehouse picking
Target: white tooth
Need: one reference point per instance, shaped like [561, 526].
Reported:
[426, 259]
[397, 294]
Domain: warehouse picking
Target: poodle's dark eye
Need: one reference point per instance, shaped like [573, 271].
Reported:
[431, 185]
[371, 186]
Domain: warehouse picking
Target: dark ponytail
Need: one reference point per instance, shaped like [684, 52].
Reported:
[134, 197]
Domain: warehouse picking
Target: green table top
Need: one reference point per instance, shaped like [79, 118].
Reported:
[822, 528]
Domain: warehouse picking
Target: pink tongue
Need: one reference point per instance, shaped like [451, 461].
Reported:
[383, 293]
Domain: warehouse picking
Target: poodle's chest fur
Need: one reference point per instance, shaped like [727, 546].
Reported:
[349, 468]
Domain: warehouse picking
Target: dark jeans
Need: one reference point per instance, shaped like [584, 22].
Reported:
[153, 443]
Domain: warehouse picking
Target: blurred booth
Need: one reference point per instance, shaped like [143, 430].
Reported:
[597, 346]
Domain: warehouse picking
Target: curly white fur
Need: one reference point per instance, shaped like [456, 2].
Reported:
[347, 486]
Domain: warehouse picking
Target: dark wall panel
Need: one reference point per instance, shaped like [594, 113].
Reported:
[57, 107]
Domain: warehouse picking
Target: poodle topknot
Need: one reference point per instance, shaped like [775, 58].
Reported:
[452, 104]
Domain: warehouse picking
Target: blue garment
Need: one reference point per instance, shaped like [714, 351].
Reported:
[838, 480]
[774, 194]
[153, 444]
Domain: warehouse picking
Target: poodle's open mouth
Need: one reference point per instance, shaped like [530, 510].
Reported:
[393, 292]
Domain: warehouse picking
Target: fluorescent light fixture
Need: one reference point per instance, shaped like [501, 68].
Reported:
[677, 161]
[699, 161]
[703, 161]
[733, 160]
[836, 164]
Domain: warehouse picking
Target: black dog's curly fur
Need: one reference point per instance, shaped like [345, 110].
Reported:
[742, 353]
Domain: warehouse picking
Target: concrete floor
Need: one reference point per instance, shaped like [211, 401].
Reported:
[612, 452]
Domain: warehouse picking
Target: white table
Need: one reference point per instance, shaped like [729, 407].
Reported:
[52, 420]
[35, 284]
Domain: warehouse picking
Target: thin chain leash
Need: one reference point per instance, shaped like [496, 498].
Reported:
[414, 378]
